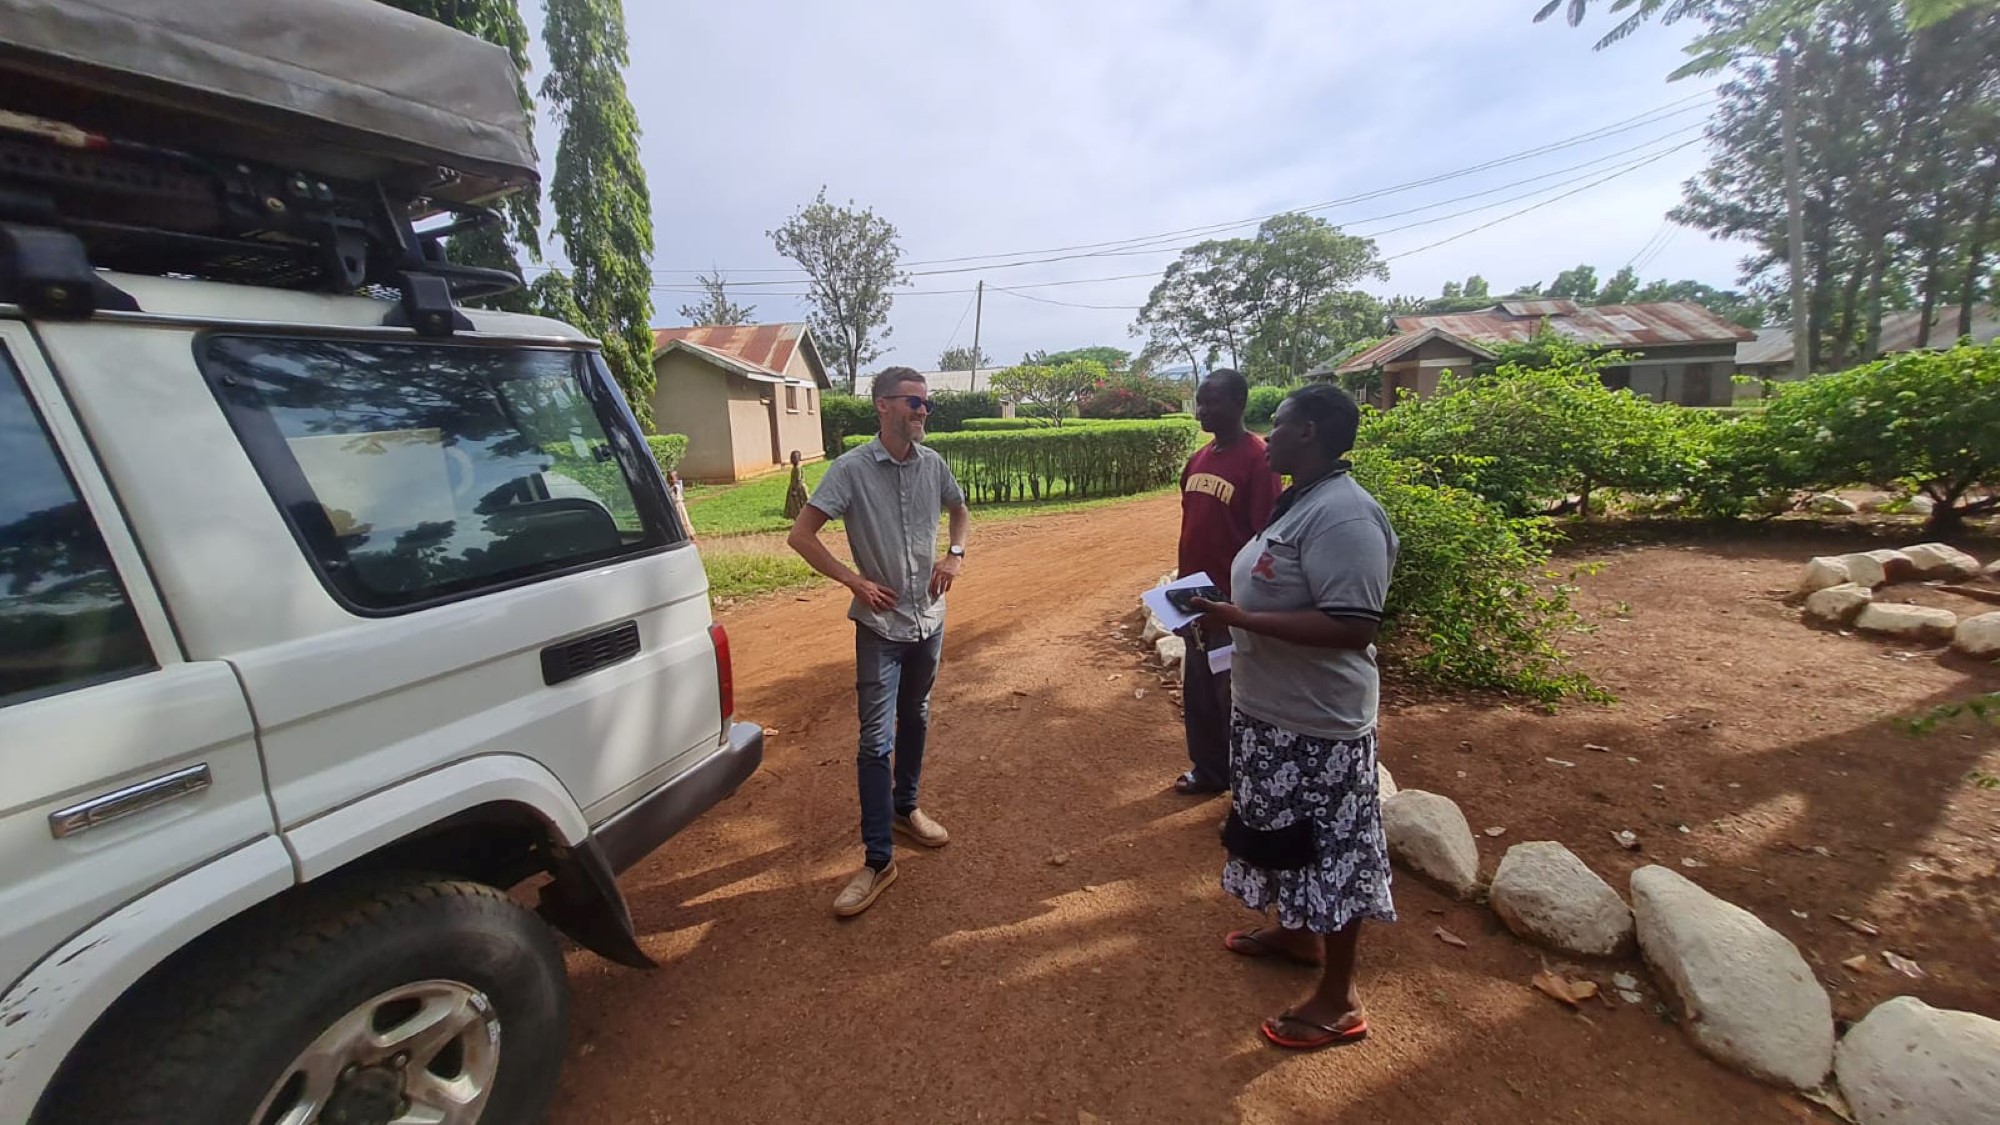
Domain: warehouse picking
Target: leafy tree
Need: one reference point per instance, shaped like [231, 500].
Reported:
[715, 307]
[850, 256]
[1058, 392]
[1579, 285]
[603, 210]
[1759, 16]
[963, 359]
[1301, 268]
[1124, 394]
[1204, 306]
[1622, 287]
[1113, 359]
[1929, 421]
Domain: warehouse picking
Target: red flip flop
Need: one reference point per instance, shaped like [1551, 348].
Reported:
[1329, 1037]
[1246, 943]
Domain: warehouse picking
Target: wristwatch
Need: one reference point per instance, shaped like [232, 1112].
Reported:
[957, 551]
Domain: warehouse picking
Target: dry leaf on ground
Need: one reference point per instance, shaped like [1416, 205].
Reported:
[1559, 987]
[1858, 925]
[1449, 938]
[1902, 964]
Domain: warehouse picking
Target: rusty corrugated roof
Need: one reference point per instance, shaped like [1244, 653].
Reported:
[1396, 345]
[1773, 346]
[769, 346]
[1606, 326]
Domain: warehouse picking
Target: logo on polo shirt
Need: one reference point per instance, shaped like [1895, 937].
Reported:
[1211, 485]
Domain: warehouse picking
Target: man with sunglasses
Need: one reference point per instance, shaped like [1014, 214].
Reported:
[890, 493]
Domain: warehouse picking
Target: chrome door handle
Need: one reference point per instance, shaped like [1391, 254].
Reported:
[129, 801]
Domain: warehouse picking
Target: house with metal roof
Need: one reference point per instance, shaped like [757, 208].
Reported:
[1679, 351]
[746, 396]
[1769, 356]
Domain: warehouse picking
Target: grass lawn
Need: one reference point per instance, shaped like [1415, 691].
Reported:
[752, 568]
[740, 529]
[745, 509]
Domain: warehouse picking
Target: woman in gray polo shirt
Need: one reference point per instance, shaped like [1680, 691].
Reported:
[1305, 835]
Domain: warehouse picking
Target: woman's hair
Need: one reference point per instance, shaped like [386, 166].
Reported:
[1333, 413]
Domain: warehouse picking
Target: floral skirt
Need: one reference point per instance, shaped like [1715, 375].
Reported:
[1282, 777]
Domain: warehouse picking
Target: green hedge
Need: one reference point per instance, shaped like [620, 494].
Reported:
[994, 425]
[1071, 462]
[841, 416]
[668, 449]
[951, 410]
[1264, 400]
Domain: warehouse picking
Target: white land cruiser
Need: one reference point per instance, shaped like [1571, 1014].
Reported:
[334, 629]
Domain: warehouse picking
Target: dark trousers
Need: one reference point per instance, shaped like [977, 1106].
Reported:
[893, 688]
[1205, 709]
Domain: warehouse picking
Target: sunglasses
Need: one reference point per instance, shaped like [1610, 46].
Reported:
[917, 402]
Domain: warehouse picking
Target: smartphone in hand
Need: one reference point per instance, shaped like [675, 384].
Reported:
[1183, 598]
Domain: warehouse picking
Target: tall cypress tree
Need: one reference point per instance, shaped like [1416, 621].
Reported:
[603, 210]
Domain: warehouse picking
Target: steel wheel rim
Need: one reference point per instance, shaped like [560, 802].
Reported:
[439, 1040]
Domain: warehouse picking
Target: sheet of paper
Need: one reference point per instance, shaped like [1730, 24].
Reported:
[1219, 659]
[1155, 599]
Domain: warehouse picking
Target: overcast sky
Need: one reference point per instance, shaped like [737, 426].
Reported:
[1002, 129]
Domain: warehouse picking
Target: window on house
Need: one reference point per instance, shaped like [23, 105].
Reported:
[791, 399]
[812, 400]
[65, 621]
[415, 473]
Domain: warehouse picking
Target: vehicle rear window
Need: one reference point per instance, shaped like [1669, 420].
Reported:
[418, 472]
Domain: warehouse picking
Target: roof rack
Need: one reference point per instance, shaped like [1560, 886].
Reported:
[160, 139]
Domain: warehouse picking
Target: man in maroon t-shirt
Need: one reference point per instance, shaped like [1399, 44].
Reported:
[1227, 491]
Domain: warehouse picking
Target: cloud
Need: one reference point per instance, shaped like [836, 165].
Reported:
[990, 128]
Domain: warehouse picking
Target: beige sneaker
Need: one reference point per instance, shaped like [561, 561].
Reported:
[921, 828]
[862, 890]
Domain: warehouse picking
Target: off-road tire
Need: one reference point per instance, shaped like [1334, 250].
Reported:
[205, 1040]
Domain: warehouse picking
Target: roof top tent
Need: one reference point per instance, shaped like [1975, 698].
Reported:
[287, 143]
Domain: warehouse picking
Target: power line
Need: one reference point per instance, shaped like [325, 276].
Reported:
[1597, 162]
[1672, 233]
[1628, 168]
[1137, 244]
[1544, 203]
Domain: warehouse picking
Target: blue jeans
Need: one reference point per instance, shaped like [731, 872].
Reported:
[893, 685]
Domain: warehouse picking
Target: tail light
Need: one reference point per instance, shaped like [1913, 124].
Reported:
[725, 675]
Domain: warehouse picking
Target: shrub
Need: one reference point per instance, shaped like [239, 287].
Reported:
[1051, 391]
[950, 410]
[668, 449]
[1264, 400]
[843, 415]
[1528, 439]
[1126, 395]
[1471, 603]
[993, 425]
[1074, 461]
[1919, 421]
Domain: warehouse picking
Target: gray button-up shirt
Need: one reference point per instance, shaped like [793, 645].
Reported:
[891, 511]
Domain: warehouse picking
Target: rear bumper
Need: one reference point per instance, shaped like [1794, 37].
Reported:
[635, 832]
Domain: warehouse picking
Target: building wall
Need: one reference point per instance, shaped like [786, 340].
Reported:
[1690, 376]
[798, 420]
[692, 397]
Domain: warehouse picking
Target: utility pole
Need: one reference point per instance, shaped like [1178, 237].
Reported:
[978, 310]
[1795, 220]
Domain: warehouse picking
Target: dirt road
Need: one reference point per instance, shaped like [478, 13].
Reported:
[1060, 961]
